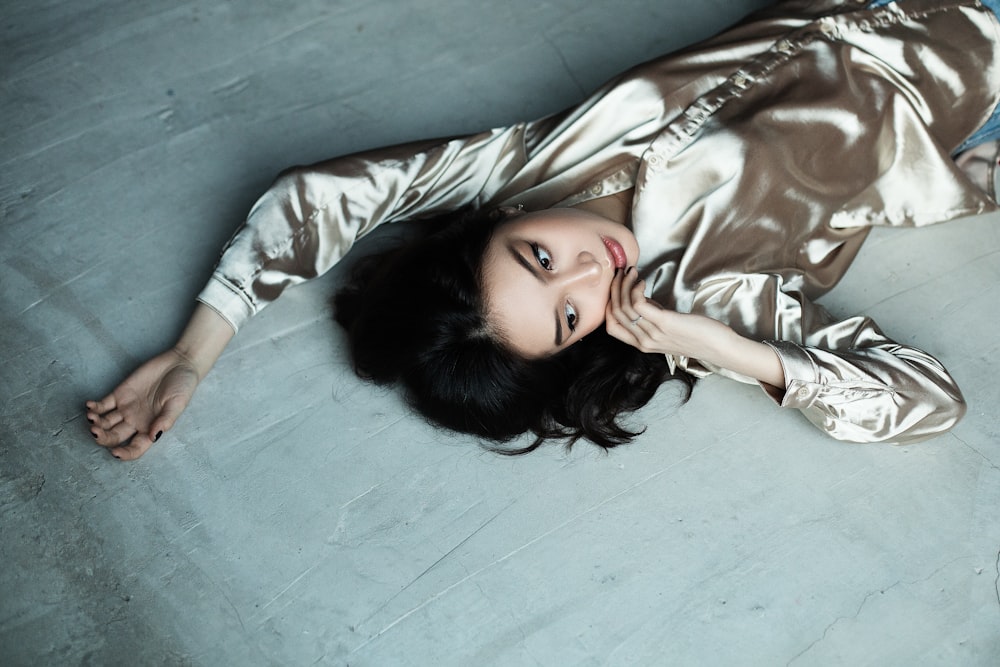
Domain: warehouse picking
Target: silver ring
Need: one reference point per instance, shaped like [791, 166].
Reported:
[636, 320]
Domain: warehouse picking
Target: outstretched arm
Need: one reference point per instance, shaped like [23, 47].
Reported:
[299, 229]
[145, 406]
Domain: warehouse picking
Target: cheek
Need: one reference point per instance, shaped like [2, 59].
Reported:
[589, 326]
[594, 317]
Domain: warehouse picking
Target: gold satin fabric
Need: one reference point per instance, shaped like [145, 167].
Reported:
[759, 159]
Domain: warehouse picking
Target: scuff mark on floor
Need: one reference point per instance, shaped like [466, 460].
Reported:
[285, 589]
[233, 87]
[526, 545]
[437, 562]
[360, 495]
[56, 288]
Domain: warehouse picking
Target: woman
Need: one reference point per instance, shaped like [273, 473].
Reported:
[748, 170]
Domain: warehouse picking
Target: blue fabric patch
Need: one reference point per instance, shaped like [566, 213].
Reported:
[990, 131]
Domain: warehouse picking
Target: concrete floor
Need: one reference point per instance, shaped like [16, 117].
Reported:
[298, 516]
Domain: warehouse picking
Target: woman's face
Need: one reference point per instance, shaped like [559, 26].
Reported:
[547, 277]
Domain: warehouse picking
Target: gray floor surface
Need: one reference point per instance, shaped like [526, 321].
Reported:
[298, 516]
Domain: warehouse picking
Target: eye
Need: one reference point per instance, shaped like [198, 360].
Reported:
[543, 258]
[571, 316]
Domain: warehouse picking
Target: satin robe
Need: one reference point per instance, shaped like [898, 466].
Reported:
[759, 161]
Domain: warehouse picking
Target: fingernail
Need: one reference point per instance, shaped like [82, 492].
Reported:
[90, 420]
[158, 434]
[93, 434]
[116, 456]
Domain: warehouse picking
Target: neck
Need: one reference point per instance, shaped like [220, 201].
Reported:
[616, 207]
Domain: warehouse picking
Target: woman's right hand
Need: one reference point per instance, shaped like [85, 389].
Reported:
[145, 406]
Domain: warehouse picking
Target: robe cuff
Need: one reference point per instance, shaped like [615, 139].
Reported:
[229, 302]
[802, 385]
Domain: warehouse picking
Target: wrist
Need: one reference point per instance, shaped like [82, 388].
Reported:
[203, 339]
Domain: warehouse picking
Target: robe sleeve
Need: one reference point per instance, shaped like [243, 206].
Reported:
[311, 216]
[847, 377]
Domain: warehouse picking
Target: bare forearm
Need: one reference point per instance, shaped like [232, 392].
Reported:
[727, 349]
[203, 339]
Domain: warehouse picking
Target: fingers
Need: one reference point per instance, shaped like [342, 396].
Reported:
[620, 286]
[108, 427]
[130, 447]
[105, 422]
[627, 298]
[125, 442]
[144, 406]
[114, 436]
[103, 413]
[135, 448]
[104, 405]
[636, 320]
[623, 319]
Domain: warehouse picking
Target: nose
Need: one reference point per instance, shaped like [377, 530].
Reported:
[586, 271]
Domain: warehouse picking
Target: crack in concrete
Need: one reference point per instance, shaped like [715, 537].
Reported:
[996, 581]
[829, 627]
[883, 591]
[236, 611]
[984, 457]
[565, 64]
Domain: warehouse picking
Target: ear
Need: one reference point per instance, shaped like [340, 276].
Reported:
[507, 212]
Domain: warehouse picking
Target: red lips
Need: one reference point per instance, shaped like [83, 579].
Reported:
[616, 251]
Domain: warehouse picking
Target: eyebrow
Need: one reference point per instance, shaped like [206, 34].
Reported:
[530, 268]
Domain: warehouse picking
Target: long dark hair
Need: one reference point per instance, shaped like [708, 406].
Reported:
[414, 314]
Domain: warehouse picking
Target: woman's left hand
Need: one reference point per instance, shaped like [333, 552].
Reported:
[648, 326]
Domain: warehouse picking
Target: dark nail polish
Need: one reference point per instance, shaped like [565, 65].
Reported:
[158, 434]
[90, 420]
[93, 434]
[116, 456]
